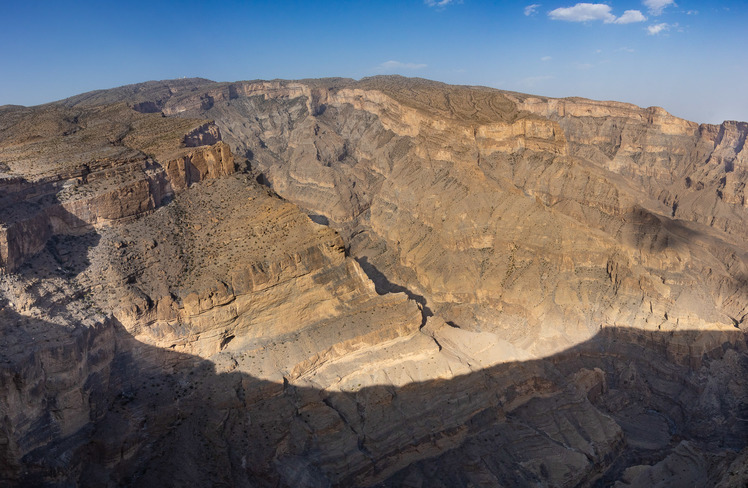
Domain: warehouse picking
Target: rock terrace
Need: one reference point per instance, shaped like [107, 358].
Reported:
[389, 282]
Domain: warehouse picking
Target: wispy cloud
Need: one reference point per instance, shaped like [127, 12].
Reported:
[656, 7]
[585, 12]
[655, 29]
[629, 17]
[439, 3]
[546, 58]
[531, 9]
[395, 66]
[625, 49]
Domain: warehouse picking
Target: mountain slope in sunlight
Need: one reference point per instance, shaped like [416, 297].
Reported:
[389, 282]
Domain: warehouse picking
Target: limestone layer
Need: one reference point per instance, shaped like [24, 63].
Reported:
[390, 282]
[534, 219]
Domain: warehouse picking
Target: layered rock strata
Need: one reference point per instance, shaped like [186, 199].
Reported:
[534, 219]
[67, 170]
[445, 286]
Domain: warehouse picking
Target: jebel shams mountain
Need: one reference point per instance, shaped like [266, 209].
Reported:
[389, 282]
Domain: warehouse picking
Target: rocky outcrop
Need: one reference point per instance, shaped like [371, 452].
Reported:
[158, 416]
[120, 167]
[54, 390]
[583, 202]
[445, 286]
[206, 273]
[205, 135]
[686, 166]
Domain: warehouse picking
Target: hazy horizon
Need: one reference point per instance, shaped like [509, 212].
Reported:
[686, 57]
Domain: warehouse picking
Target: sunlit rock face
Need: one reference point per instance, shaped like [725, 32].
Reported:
[391, 282]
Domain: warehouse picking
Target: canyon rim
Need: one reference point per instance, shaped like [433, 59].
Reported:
[384, 282]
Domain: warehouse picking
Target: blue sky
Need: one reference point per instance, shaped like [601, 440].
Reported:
[689, 57]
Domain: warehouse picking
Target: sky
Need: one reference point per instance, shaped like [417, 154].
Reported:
[689, 57]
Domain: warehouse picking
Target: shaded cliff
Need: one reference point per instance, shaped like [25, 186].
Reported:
[444, 286]
[531, 218]
[99, 408]
[66, 170]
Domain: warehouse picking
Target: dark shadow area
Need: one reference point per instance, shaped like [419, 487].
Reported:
[656, 232]
[34, 228]
[383, 286]
[148, 107]
[262, 180]
[319, 109]
[154, 417]
[319, 219]
[30, 215]
[85, 404]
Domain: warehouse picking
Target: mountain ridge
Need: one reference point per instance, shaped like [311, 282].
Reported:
[387, 281]
[363, 81]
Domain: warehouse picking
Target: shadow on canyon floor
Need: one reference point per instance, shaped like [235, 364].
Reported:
[88, 405]
[100, 408]
[383, 286]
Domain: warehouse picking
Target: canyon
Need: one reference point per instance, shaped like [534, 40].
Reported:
[384, 282]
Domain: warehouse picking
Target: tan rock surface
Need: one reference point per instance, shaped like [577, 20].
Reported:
[67, 170]
[535, 219]
[483, 288]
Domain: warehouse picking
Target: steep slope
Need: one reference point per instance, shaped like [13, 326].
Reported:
[66, 170]
[445, 286]
[536, 219]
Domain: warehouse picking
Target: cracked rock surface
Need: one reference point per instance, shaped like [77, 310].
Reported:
[389, 282]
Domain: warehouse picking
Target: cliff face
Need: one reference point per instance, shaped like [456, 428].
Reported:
[534, 219]
[66, 171]
[444, 286]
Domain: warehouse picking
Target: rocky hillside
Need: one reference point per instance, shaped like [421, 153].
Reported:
[389, 282]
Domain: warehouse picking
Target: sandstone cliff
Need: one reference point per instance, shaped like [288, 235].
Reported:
[66, 171]
[536, 219]
[443, 286]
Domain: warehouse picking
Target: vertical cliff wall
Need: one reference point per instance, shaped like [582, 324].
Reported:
[443, 286]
